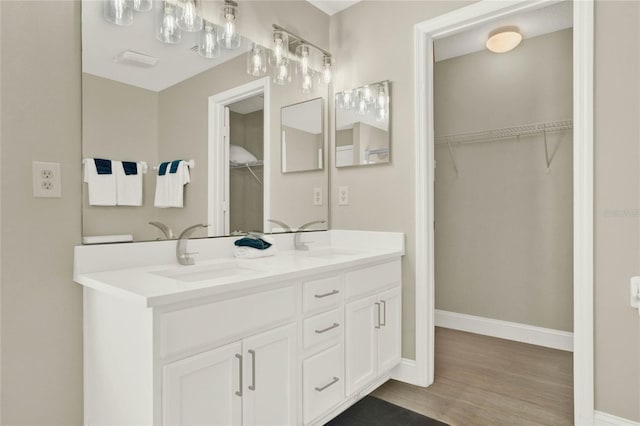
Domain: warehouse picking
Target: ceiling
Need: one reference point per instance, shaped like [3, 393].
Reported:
[249, 105]
[535, 23]
[331, 7]
[102, 41]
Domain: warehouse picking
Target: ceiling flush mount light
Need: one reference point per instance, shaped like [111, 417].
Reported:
[504, 39]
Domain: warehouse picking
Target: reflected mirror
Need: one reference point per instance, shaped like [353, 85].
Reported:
[302, 136]
[362, 125]
[156, 108]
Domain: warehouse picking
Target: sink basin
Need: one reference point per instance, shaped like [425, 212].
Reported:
[205, 272]
[328, 253]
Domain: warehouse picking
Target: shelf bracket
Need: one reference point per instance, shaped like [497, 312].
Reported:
[453, 158]
[253, 173]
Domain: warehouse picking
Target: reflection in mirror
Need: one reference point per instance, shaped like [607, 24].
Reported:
[362, 125]
[161, 113]
[302, 136]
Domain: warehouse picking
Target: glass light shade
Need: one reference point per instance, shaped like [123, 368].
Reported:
[504, 40]
[280, 49]
[257, 60]
[282, 72]
[189, 19]
[363, 106]
[306, 82]
[366, 94]
[304, 60]
[167, 29]
[347, 100]
[327, 70]
[229, 38]
[119, 12]
[208, 45]
[142, 5]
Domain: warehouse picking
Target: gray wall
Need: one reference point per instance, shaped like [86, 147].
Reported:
[357, 41]
[120, 122]
[41, 321]
[504, 228]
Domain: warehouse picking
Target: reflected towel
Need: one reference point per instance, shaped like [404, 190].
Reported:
[101, 182]
[170, 184]
[129, 183]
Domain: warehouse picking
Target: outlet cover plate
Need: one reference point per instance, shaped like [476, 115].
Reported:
[46, 180]
[343, 195]
[317, 196]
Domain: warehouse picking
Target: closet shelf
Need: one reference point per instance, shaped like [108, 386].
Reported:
[504, 133]
[249, 166]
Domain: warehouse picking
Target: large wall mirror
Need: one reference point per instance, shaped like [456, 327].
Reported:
[362, 125]
[303, 138]
[139, 111]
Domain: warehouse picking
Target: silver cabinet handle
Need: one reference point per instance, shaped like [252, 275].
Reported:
[331, 293]
[378, 324]
[239, 391]
[333, 382]
[253, 370]
[331, 327]
[384, 315]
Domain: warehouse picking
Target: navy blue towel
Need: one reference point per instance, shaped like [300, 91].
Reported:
[130, 168]
[256, 243]
[103, 167]
[162, 170]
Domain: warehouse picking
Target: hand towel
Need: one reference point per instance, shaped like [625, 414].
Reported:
[170, 181]
[101, 182]
[128, 183]
[256, 243]
[252, 253]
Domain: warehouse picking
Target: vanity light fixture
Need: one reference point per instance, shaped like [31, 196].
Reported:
[190, 20]
[504, 39]
[142, 5]
[119, 12]
[257, 60]
[167, 29]
[230, 38]
[208, 46]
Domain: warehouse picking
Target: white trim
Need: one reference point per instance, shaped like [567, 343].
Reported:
[605, 419]
[218, 151]
[583, 35]
[547, 337]
[406, 371]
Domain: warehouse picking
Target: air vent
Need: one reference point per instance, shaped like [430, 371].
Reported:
[194, 48]
[137, 59]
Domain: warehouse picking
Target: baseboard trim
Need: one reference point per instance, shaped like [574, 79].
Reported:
[605, 419]
[406, 371]
[524, 333]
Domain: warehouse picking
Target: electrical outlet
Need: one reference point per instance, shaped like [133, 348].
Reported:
[46, 180]
[343, 195]
[317, 196]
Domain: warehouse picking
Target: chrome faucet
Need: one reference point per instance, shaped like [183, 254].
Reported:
[299, 245]
[281, 224]
[184, 258]
[168, 233]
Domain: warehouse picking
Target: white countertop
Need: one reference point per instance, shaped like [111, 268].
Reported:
[143, 285]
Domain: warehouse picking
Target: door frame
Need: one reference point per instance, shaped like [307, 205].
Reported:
[583, 187]
[218, 154]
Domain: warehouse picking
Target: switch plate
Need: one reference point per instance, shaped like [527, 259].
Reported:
[635, 293]
[343, 195]
[46, 180]
[317, 196]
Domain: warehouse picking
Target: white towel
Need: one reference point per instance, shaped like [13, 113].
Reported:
[129, 187]
[170, 186]
[244, 252]
[101, 188]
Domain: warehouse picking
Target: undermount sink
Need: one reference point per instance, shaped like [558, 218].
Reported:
[205, 272]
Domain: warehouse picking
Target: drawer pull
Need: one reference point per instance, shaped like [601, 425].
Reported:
[333, 382]
[331, 293]
[253, 370]
[239, 391]
[384, 315]
[378, 324]
[331, 327]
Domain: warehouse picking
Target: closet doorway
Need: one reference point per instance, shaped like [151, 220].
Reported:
[582, 73]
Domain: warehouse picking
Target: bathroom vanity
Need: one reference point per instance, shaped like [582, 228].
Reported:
[291, 339]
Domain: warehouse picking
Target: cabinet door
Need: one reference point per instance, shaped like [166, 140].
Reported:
[202, 389]
[361, 320]
[270, 378]
[390, 333]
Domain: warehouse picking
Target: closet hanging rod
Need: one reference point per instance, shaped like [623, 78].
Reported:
[507, 132]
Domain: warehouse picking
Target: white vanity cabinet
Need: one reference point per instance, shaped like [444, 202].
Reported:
[251, 382]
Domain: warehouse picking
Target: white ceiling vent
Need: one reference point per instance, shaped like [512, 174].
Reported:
[137, 59]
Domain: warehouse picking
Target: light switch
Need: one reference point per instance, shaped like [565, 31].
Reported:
[343, 195]
[317, 196]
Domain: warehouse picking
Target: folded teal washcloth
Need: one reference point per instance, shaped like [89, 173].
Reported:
[256, 243]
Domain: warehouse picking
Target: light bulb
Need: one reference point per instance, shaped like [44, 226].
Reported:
[230, 37]
[307, 83]
[367, 94]
[189, 19]
[347, 99]
[363, 107]
[382, 97]
[142, 5]
[208, 46]
[167, 30]
[327, 66]
[119, 12]
[256, 61]
[282, 75]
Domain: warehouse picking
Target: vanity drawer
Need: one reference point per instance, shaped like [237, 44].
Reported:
[323, 382]
[368, 280]
[193, 328]
[323, 293]
[323, 327]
